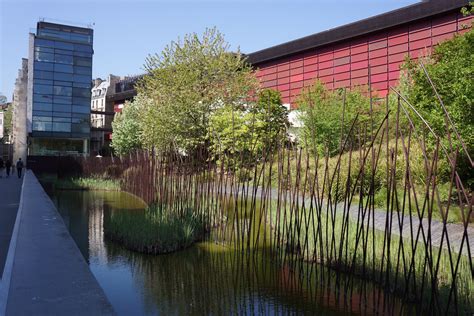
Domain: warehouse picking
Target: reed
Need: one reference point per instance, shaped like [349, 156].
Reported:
[158, 231]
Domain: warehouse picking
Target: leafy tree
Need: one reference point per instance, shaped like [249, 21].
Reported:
[321, 112]
[240, 135]
[127, 127]
[187, 82]
[451, 68]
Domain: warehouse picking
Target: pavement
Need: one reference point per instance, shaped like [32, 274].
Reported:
[10, 189]
[45, 273]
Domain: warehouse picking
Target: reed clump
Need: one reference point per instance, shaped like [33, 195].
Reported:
[159, 230]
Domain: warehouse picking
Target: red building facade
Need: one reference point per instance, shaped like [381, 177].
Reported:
[342, 57]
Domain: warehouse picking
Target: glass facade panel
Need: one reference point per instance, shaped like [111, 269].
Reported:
[42, 89]
[44, 66]
[41, 56]
[63, 68]
[63, 59]
[63, 91]
[62, 76]
[43, 106]
[40, 74]
[62, 81]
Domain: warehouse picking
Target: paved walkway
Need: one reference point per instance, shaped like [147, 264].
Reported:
[47, 274]
[10, 189]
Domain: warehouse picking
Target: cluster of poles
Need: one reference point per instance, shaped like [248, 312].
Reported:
[318, 214]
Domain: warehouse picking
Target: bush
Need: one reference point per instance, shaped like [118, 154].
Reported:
[321, 112]
[157, 231]
[451, 68]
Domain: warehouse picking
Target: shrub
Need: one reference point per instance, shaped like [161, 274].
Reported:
[159, 230]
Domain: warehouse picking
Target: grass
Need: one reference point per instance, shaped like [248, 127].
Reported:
[86, 183]
[349, 255]
[157, 231]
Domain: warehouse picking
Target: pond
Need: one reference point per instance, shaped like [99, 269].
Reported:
[205, 279]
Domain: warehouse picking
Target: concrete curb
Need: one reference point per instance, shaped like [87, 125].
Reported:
[7, 270]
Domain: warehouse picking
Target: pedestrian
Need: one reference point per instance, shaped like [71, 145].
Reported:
[19, 167]
[8, 167]
[1, 167]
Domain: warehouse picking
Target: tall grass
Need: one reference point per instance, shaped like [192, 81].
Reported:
[156, 231]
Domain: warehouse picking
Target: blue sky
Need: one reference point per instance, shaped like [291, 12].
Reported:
[127, 31]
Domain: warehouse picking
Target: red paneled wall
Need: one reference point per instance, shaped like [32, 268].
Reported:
[347, 64]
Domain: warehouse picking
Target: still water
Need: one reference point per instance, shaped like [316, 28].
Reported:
[205, 279]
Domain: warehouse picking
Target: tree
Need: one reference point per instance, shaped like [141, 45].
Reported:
[187, 83]
[127, 127]
[451, 68]
[321, 112]
[240, 135]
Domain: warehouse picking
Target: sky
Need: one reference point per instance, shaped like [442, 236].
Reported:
[126, 32]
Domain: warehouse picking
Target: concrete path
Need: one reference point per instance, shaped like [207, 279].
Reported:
[10, 189]
[48, 274]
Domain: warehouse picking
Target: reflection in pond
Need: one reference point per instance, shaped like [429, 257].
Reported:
[202, 280]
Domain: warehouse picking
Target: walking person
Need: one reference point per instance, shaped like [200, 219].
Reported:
[19, 167]
[1, 167]
[8, 167]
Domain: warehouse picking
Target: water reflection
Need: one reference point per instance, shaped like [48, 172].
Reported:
[205, 279]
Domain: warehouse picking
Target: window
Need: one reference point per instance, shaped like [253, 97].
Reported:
[81, 101]
[42, 81]
[40, 74]
[42, 98]
[61, 127]
[41, 56]
[82, 61]
[43, 66]
[81, 128]
[62, 99]
[62, 119]
[81, 92]
[44, 43]
[63, 83]
[42, 123]
[82, 70]
[63, 68]
[42, 89]
[64, 45]
[44, 49]
[81, 54]
[61, 107]
[63, 59]
[82, 84]
[82, 48]
[62, 76]
[40, 106]
[41, 113]
[64, 91]
[81, 37]
[81, 109]
[61, 114]
[82, 78]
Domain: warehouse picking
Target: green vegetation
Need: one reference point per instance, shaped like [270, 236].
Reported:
[344, 252]
[451, 68]
[86, 183]
[127, 127]
[158, 231]
[240, 135]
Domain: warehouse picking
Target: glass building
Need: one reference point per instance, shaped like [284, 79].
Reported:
[59, 90]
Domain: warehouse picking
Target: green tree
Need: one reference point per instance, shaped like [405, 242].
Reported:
[321, 112]
[127, 127]
[240, 135]
[187, 82]
[451, 69]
